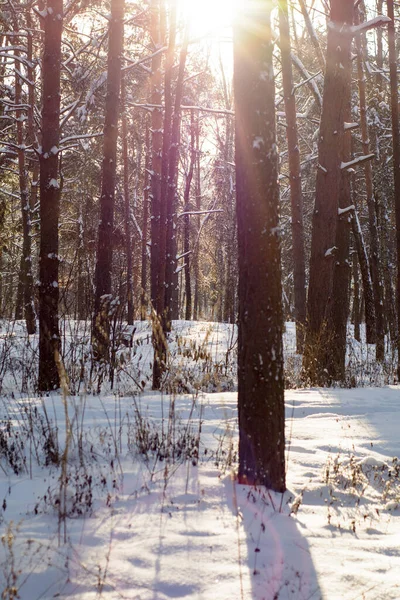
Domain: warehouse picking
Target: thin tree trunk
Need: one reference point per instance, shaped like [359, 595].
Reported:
[356, 300]
[127, 204]
[156, 149]
[186, 198]
[49, 335]
[171, 287]
[260, 353]
[102, 300]
[366, 279]
[396, 154]
[375, 259]
[143, 271]
[296, 196]
[198, 206]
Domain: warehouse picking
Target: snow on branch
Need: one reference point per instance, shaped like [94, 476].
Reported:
[357, 29]
[343, 211]
[356, 161]
[371, 24]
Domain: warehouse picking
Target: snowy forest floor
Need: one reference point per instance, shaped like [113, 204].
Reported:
[130, 494]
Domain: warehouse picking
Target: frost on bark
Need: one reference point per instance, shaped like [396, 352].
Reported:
[49, 337]
[102, 301]
[260, 361]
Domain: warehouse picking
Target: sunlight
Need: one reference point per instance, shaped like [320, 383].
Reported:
[209, 16]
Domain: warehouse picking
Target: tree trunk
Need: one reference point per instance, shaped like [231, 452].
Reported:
[396, 155]
[375, 258]
[171, 280]
[49, 336]
[186, 208]
[328, 186]
[366, 279]
[156, 149]
[159, 322]
[356, 300]
[260, 355]
[296, 196]
[146, 195]
[127, 204]
[102, 301]
[196, 268]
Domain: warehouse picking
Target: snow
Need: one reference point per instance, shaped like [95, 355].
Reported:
[153, 510]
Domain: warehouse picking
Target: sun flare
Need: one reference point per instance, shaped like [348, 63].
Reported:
[209, 16]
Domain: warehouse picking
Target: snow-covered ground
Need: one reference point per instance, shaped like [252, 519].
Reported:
[136, 498]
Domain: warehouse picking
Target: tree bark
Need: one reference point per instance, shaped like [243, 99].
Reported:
[328, 186]
[260, 355]
[296, 196]
[102, 301]
[375, 254]
[127, 204]
[49, 336]
[366, 279]
[396, 155]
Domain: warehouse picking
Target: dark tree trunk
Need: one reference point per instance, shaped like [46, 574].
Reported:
[296, 196]
[49, 336]
[196, 269]
[186, 208]
[102, 301]
[159, 320]
[356, 300]
[328, 186]
[369, 308]
[156, 150]
[375, 254]
[396, 155]
[127, 205]
[260, 355]
[171, 279]
[146, 195]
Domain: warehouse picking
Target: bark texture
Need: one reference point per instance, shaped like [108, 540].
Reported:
[260, 359]
[49, 336]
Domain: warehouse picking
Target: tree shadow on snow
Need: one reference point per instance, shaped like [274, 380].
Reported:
[275, 559]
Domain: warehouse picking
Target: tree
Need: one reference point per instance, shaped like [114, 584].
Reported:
[396, 154]
[328, 187]
[260, 357]
[296, 197]
[102, 302]
[49, 336]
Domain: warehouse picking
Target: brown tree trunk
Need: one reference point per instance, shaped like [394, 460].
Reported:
[366, 279]
[296, 196]
[260, 355]
[186, 208]
[49, 336]
[127, 204]
[146, 194]
[156, 149]
[171, 279]
[159, 323]
[328, 186]
[196, 268]
[356, 299]
[375, 258]
[102, 301]
[396, 155]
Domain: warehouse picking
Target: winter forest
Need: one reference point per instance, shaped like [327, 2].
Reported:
[199, 299]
